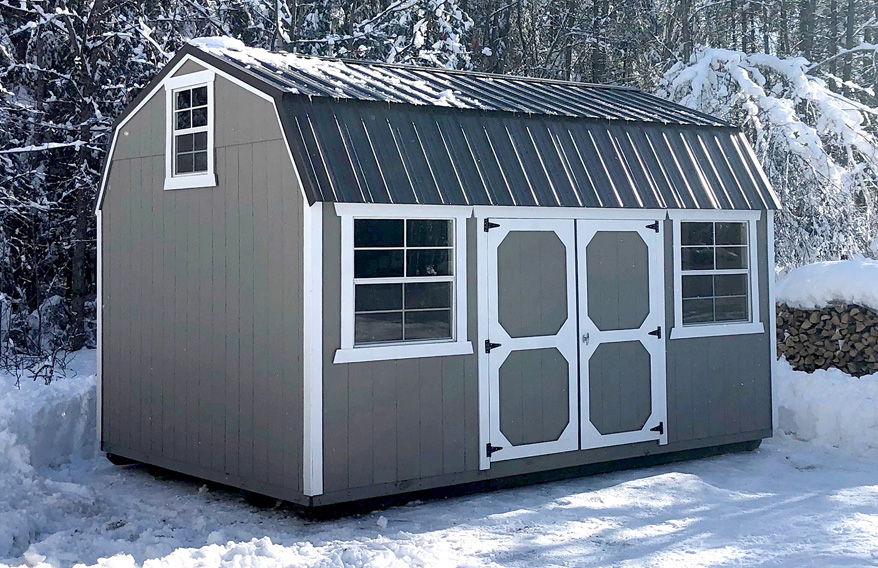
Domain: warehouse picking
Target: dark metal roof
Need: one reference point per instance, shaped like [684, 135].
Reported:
[373, 133]
[368, 81]
[367, 153]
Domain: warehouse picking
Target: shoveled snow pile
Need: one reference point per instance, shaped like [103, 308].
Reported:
[786, 504]
[828, 407]
[815, 286]
[42, 426]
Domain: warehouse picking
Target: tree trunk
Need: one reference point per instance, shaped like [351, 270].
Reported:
[833, 35]
[783, 47]
[685, 7]
[848, 44]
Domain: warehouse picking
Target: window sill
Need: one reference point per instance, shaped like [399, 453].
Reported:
[681, 332]
[190, 182]
[402, 351]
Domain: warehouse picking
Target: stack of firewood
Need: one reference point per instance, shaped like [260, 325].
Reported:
[844, 336]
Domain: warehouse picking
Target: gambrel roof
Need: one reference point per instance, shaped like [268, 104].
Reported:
[363, 132]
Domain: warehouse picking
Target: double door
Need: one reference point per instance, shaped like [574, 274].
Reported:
[575, 349]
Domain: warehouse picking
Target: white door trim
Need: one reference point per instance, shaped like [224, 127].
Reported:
[591, 437]
[490, 329]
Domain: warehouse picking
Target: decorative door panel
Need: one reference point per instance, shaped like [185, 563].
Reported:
[622, 343]
[532, 356]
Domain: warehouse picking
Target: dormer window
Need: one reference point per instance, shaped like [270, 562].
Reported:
[189, 147]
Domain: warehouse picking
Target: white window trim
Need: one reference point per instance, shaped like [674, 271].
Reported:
[460, 345]
[679, 331]
[202, 179]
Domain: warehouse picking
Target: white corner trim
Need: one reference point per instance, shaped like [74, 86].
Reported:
[312, 455]
[402, 351]
[771, 317]
[155, 90]
[99, 305]
[348, 353]
[679, 331]
[190, 181]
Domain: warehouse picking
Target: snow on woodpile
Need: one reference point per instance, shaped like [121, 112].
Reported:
[815, 286]
[342, 75]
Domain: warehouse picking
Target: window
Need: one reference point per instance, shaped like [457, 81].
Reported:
[190, 128]
[402, 283]
[715, 274]
[403, 276]
[714, 267]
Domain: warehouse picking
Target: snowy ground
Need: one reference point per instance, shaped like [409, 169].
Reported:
[790, 503]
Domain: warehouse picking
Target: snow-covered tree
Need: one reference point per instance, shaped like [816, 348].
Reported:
[818, 148]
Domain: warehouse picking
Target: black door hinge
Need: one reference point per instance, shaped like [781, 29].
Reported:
[489, 449]
[660, 428]
[657, 332]
[489, 345]
[654, 226]
[489, 225]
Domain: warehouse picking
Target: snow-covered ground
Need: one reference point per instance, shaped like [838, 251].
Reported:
[790, 503]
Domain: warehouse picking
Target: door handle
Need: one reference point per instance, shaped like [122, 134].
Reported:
[657, 332]
[585, 338]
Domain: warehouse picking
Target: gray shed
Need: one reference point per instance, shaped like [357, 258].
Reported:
[327, 281]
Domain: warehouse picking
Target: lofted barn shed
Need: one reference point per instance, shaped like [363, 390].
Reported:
[326, 281]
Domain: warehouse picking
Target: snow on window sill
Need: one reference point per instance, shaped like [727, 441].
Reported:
[683, 332]
[402, 351]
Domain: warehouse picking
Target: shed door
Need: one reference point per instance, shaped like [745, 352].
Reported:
[622, 339]
[532, 338]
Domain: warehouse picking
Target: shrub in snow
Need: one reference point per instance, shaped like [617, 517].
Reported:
[818, 148]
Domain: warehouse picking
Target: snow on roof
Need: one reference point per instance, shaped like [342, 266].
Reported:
[359, 80]
[814, 286]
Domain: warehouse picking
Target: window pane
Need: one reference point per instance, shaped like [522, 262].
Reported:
[377, 263]
[375, 328]
[697, 286]
[731, 284]
[697, 311]
[200, 139]
[731, 257]
[731, 309]
[696, 233]
[731, 233]
[378, 297]
[184, 120]
[199, 116]
[697, 258]
[183, 99]
[428, 325]
[428, 233]
[200, 161]
[428, 262]
[428, 295]
[199, 96]
[378, 232]
[184, 143]
[185, 163]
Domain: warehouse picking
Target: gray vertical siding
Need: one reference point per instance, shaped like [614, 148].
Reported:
[397, 426]
[393, 422]
[202, 360]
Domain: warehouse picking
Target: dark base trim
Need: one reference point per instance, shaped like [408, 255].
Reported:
[327, 512]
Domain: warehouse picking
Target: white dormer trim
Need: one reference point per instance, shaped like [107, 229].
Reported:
[201, 179]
